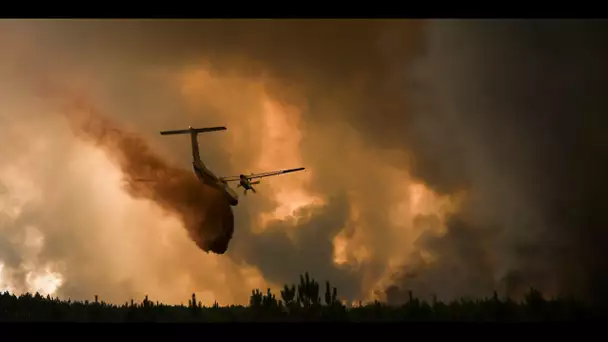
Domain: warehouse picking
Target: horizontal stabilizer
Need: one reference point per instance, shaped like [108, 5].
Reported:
[194, 130]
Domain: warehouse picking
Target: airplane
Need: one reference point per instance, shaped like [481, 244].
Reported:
[207, 177]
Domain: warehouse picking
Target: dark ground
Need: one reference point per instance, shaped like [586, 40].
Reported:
[297, 303]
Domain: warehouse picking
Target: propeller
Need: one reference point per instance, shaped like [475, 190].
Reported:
[239, 185]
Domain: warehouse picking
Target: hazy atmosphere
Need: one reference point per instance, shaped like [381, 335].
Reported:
[451, 158]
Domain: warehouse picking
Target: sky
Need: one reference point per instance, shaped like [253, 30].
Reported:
[447, 157]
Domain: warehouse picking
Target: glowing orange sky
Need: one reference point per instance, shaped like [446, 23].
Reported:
[133, 244]
[270, 134]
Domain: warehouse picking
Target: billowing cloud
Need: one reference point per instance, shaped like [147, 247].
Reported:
[509, 110]
[207, 217]
[417, 166]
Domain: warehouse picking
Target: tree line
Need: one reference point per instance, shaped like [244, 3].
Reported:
[298, 302]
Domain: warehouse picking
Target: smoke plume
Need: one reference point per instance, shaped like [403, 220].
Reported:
[452, 158]
[207, 217]
[510, 111]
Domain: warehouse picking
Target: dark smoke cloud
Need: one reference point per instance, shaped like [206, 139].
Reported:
[509, 111]
[207, 217]
[308, 248]
[516, 108]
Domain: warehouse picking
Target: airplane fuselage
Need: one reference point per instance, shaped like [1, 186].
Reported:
[209, 178]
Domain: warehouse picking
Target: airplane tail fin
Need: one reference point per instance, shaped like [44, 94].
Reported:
[191, 130]
[193, 139]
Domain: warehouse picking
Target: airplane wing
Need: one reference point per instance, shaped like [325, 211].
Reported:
[261, 175]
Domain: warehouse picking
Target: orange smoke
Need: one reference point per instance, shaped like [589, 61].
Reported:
[267, 132]
[281, 146]
[206, 215]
